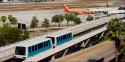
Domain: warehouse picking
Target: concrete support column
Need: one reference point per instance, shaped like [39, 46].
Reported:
[65, 52]
[101, 35]
[96, 35]
[53, 58]
[76, 45]
[85, 43]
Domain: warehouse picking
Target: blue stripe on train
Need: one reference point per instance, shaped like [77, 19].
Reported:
[38, 51]
[63, 41]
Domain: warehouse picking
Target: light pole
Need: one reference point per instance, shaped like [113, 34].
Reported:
[107, 3]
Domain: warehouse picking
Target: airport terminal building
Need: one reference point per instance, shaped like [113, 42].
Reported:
[24, 1]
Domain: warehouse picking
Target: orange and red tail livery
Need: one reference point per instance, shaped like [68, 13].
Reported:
[77, 10]
[65, 8]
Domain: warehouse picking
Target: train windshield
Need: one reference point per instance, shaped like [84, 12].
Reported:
[20, 51]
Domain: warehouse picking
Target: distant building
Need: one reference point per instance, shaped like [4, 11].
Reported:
[24, 1]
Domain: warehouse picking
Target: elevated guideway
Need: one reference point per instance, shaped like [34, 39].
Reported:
[83, 27]
[8, 51]
[104, 50]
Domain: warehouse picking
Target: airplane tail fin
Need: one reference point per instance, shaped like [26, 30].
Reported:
[66, 8]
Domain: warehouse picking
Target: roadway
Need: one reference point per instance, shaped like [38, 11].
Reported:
[104, 49]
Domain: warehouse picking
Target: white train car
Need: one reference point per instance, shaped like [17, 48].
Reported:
[60, 37]
[32, 47]
[41, 44]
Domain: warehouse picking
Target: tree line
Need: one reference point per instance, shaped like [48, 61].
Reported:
[58, 18]
[10, 34]
[11, 19]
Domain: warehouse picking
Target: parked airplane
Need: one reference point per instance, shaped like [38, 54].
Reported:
[77, 10]
[108, 11]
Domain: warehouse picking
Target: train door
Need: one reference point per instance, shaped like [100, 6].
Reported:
[53, 41]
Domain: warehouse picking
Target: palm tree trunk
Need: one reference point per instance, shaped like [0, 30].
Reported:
[117, 34]
[116, 52]
[67, 23]
[115, 46]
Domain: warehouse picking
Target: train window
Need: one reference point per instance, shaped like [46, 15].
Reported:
[29, 49]
[20, 51]
[40, 45]
[57, 39]
[70, 34]
[48, 42]
[44, 44]
[67, 35]
[61, 37]
[64, 37]
[35, 47]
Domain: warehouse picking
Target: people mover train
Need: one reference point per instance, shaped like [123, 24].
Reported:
[41, 44]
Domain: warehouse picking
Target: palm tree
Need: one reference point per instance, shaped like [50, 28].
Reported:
[76, 20]
[3, 19]
[57, 19]
[116, 33]
[117, 27]
[34, 22]
[12, 19]
[68, 17]
[89, 18]
[45, 23]
[9, 17]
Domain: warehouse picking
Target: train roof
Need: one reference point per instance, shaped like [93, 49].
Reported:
[42, 38]
[58, 33]
[33, 41]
